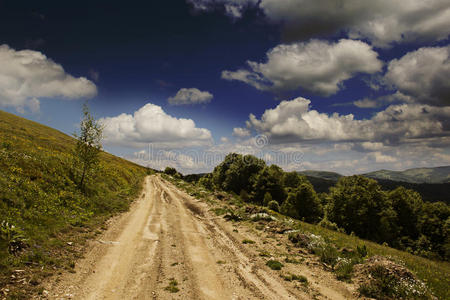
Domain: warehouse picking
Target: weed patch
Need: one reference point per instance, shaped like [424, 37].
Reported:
[173, 286]
[274, 264]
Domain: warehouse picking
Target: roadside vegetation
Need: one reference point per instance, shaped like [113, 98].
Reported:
[347, 229]
[46, 210]
[356, 204]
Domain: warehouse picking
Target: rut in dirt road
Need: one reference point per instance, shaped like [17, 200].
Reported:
[168, 247]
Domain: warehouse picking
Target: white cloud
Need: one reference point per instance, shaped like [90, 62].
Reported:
[366, 103]
[241, 132]
[423, 75]
[383, 22]
[26, 76]
[190, 96]
[379, 157]
[294, 121]
[151, 125]
[316, 66]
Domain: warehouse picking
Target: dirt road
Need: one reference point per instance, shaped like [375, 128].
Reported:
[170, 246]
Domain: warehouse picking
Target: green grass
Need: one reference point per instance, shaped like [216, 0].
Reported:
[247, 241]
[41, 206]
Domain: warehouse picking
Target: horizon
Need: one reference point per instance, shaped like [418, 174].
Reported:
[350, 88]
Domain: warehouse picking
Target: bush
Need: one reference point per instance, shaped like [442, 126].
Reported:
[344, 269]
[274, 264]
[13, 238]
[325, 223]
[273, 205]
[362, 251]
[292, 277]
[328, 254]
[170, 171]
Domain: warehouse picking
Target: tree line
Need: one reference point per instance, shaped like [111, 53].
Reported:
[355, 205]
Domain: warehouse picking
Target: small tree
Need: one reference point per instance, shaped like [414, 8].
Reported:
[88, 147]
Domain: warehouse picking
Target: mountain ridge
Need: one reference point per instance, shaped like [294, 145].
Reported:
[428, 175]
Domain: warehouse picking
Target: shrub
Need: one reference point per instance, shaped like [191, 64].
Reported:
[328, 254]
[292, 277]
[13, 238]
[344, 269]
[170, 171]
[274, 264]
[362, 251]
[325, 223]
[173, 286]
[273, 205]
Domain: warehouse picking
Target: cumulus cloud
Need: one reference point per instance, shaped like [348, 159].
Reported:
[26, 76]
[190, 96]
[294, 121]
[383, 22]
[151, 125]
[316, 66]
[423, 75]
[241, 132]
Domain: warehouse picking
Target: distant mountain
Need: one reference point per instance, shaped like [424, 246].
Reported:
[417, 175]
[321, 174]
[433, 184]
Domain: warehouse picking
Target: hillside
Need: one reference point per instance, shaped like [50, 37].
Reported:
[431, 183]
[321, 174]
[416, 175]
[44, 216]
[431, 192]
[273, 236]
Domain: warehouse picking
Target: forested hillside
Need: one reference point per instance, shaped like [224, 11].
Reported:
[355, 204]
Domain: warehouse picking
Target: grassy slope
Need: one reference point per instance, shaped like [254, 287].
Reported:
[39, 197]
[436, 274]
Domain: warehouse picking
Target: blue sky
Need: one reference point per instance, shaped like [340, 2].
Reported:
[351, 86]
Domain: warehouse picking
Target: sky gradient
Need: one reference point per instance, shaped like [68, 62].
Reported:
[347, 86]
